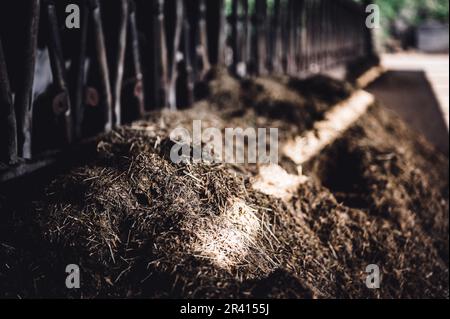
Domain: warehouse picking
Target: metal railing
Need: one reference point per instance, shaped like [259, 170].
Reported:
[131, 56]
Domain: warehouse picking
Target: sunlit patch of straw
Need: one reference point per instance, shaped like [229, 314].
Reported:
[228, 240]
[274, 181]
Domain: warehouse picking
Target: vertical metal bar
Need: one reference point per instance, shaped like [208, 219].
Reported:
[23, 100]
[79, 64]
[253, 47]
[322, 56]
[160, 64]
[241, 65]
[298, 34]
[234, 35]
[203, 45]
[261, 46]
[176, 46]
[332, 32]
[247, 36]
[135, 50]
[340, 28]
[278, 45]
[303, 38]
[103, 65]
[291, 38]
[308, 27]
[120, 60]
[319, 35]
[222, 36]
[61, 102]
[8, 126]
[188, 58]
[270, 36]
[327, 33]
[284, 34]
[313, 33]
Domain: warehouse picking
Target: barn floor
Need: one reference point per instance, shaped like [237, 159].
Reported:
[140, 226]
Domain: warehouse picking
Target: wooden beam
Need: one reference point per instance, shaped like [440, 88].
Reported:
[337, 120]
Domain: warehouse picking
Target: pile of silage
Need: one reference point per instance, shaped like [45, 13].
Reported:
[139, 225]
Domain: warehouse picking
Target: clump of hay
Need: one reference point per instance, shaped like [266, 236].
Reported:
[134, 214]
[405, 182]
[290, 103]
[139, 225]
[322, 90]
[227, 240]
[271, 99]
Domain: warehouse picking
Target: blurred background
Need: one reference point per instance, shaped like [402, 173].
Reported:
[414, 24]
[413, 42]
[406, 24]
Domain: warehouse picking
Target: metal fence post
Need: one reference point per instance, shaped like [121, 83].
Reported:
[103, 65]
[8, 126]
[23, 100]
[120, 61]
